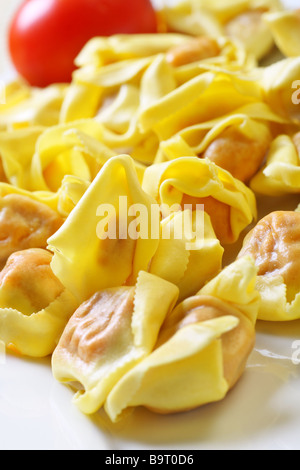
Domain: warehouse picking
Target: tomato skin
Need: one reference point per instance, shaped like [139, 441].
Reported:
[45, 36]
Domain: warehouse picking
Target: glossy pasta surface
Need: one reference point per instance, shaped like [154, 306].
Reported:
[123, 193]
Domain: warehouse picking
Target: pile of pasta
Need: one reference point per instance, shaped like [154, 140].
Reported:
[188, 116]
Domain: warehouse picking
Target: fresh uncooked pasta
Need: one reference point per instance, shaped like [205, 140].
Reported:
[242, 20]
[34, 305]
[191, 181]
[237, 143]
[115, 253]
[280, 173]
[123, 192]
[109, 334]
[279, 93]
[201, 351]
[274, 245]
[111, 258]
[284, 26]
[25, 223]
[26, 107]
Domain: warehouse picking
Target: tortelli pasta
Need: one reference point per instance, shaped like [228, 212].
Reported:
[284, 26]
[34, 306]
[191, 260]
[274, 245]
[110, 333]
[115, 252]
[242, 20]
[237, 143]
[121, 191]
[111, 258]
[17, 148]
[201, 351]
[26, 107]
[191, 357]
[192, 181]
[280, 173]
[279, 93]
[25, 223]
[62, 202]
[210, 95]
[120, 78]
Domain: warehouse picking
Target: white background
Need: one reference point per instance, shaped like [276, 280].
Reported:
[7, 8]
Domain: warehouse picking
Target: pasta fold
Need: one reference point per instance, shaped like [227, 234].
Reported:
[107, 88]
[67, 150]
[281, 173]
[241, 20]
[25, 223]
[208, 96]
[277, 82]
[109, 334]
[17, 147]
[285, 26]
[98, 224]
[274, 245]
[120, 77]
[191, 181]
[26, 106]
[201, 351]
[106, 50]
[124, 233]
[34, 306]
[38, 159]
[189, 253]
[63, 201]
[236, 143]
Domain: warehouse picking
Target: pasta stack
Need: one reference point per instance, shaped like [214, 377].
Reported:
[156, 134]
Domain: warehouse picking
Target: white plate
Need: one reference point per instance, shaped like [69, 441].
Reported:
[262, 412]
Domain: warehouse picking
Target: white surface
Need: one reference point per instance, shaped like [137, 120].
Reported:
[262, 412]
[7, 8]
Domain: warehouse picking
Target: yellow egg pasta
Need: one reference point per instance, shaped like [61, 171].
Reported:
[285, 27]
[73, 150]
[17, 147]
[281, 173]
[25, 106]
[34, 306]
[279, 84]
[130, 246]
[38, 158]
[189, 181]
[251, 30]
[242, 20]
[182, 248]
[63, 201]
[189, 18]
[107, 88]
[237, 143]
[119, 78]
[208, 96]
[106, 50]
[171, 368]
[236, 285]
[109, 334]
[191, 255]
[201, 351]
[111, 258]
[25, 222]
[274, 245]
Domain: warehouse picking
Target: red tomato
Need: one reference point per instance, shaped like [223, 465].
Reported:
[46, 35]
